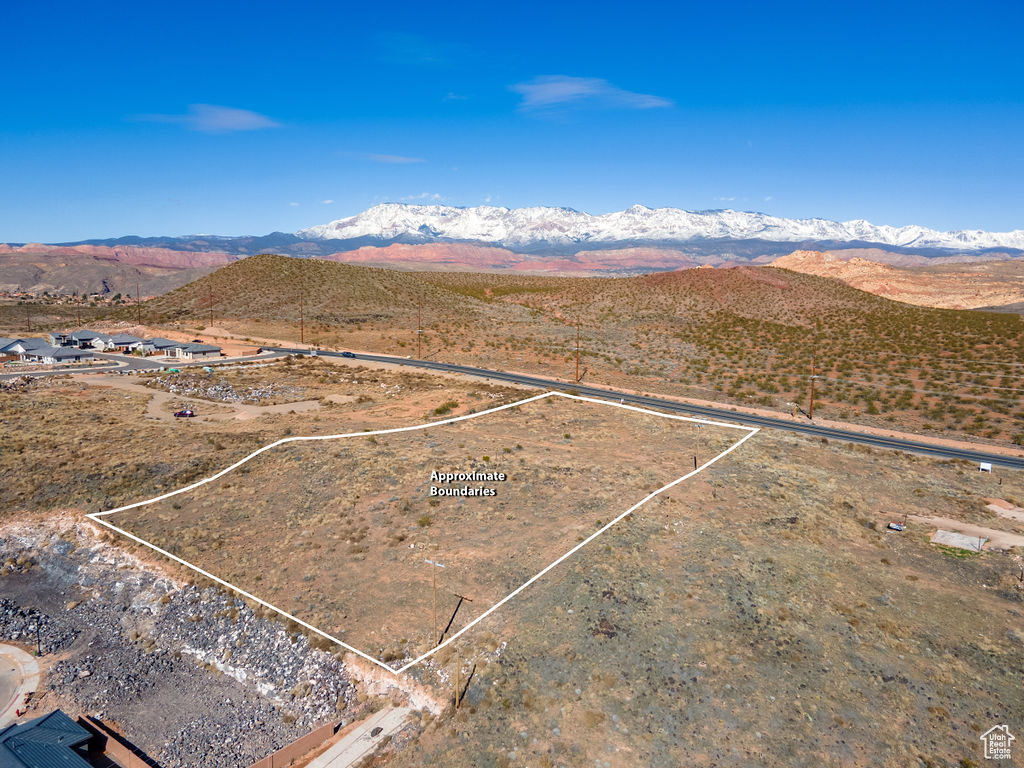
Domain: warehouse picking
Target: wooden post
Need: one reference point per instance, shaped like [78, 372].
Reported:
[28, 317]
[433, 578]
[458, 677]
[138, 305]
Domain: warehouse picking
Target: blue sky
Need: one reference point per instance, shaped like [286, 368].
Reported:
[244, 118]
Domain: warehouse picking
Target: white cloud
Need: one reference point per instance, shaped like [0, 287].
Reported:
[452, 96]
[210, 118]
[326, 202]
[294, 204]
[392, 159]
[769, 198]
[726, 199]
[547, 91]
[423, 196]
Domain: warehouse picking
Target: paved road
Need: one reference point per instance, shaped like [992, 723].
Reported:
[803, 427]
[358, 742]
[19, 674]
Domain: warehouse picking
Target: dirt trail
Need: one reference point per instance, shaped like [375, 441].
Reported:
[155, 409]
[1005, 509]
[996, 539]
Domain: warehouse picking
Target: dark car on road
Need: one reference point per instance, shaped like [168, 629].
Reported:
[347, 354]
[184, 413]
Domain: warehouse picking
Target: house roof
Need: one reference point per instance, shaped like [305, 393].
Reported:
[46, 350]
[7, 342]
[200, 348]
[45, 742]
[159, 343]
[29, 347]
[34, 344]
[65, 353]
[125, 338]
[85, 335]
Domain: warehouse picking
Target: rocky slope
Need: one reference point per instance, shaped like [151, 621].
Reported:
[36, 268]
[964, 286]
[192, 675]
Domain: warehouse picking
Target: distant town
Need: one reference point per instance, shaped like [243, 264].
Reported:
[83, 346]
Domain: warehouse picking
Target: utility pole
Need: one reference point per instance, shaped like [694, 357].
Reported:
[434, 638]
[419, 333]
[138, 305]
[302, 324]
[78, 313]
[28, 317]
[814, 378]
[577, 351]
[210, 287]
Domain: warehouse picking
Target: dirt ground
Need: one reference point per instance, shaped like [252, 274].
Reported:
[760, 614]
[342, 544]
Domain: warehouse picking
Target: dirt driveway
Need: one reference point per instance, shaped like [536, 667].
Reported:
[157, 408]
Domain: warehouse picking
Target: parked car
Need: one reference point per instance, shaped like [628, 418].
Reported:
[347, 354]
[186, 413]
[894, 526]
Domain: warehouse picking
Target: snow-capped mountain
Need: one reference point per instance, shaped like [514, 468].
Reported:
[539, 226]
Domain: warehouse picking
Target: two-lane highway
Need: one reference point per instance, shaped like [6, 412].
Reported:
[710, 412]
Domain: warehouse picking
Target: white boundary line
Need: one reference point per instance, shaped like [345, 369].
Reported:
[97, 516]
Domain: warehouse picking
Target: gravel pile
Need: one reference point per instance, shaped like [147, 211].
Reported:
[208, 388]
[190, 674]
[20, 384]
[26, 625]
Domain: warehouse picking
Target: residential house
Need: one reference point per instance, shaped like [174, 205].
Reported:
[51, 740]
[194, 351]
[86, 339]
[124, 342]
[4, 343]
[70, 355]
[58, 339]
[28, 350]
[160, 346]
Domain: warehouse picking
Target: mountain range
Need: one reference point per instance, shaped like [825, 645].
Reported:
[536, 240]
[544, 227]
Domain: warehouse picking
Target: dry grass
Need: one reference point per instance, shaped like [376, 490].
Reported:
[341, 542]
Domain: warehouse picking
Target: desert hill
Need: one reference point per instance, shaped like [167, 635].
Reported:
[949, 286]
[268, 288]
[36, 268]
[747, 335]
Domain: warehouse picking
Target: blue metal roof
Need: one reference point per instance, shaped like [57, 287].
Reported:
[46, 742]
